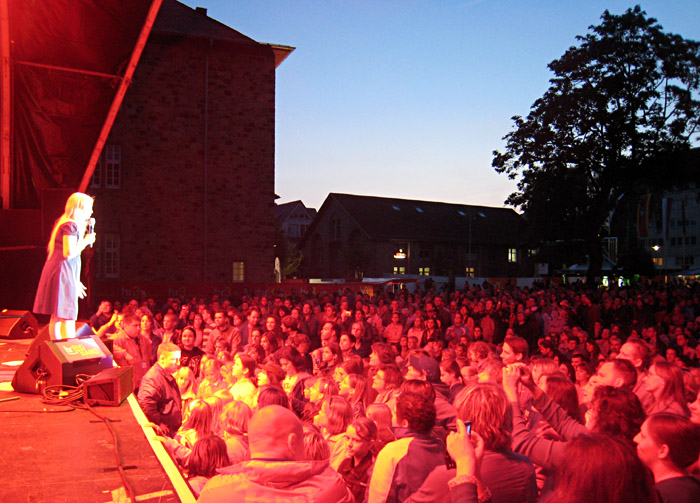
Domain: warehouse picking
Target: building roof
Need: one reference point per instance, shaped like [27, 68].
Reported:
[282, 211]
[179, 19]
[383, 218]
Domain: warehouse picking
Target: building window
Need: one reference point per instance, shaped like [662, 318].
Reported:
[512, 255]
[113, 166]
[658, 261]
[96, 179]
[399, 270]
[238, 271]
[335, 228]
[424, 271]
[469, 272]
[111, 255]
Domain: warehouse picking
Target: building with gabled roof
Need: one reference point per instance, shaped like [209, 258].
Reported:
[364, 236]
[294, 218]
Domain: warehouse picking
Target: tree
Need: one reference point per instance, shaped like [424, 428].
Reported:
[626, 94]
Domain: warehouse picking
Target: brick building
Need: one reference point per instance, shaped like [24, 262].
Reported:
[185, 184]
[361, 236]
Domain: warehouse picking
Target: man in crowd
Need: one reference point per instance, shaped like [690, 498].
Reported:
[277, 471]
[131, 349]
[159, 395]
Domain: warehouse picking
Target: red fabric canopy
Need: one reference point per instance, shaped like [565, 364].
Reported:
[68, 59]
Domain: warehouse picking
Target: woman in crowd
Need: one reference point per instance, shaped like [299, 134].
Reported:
[354, 389]
[361, 438]
[665, 382]
[191, 355]
[451, 376]
[197, 425]
[334, 416]
[269, 345]
[198, 326]
[601, 468]
[293, 384]
[243, 373]
[212, 380]
[148, 330]
[187, 384]
[386, 383]
[234, 423]
[331, 355]
[315, 446]
[207, 456]
[668, 445]
[315, 391]
[256, 352]
[613, 411]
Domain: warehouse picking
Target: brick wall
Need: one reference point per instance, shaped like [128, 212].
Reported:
[196, 131]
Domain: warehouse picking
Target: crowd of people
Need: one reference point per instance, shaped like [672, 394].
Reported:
[546, 393]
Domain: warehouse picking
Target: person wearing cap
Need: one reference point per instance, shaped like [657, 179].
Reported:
[426, 368]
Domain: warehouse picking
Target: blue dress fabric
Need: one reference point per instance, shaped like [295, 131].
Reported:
[57, 293]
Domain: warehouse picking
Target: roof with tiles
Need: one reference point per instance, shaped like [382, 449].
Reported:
[383, 218]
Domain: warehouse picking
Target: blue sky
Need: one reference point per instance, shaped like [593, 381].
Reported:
[410, 98]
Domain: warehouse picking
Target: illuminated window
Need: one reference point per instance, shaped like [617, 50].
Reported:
[399, 270]
[424, 271]
[512, 255]
[111, 255]
[658, 261]
[239, 271]
[469, 272]
[113, 166]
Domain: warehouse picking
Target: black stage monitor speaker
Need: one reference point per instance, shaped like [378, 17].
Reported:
[50, 363]
[17, 324]
[109, 387]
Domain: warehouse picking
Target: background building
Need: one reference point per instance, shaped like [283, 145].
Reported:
[185, 183]
[361, 236]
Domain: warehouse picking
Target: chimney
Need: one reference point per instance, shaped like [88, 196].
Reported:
[201, 10]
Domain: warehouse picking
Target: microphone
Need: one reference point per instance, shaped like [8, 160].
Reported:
[91, 227]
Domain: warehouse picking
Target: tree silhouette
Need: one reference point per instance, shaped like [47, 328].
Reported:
[627, 94]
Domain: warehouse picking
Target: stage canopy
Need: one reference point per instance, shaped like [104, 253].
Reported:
[65, 67]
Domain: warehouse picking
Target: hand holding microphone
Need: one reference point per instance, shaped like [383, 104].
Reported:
[91, 231]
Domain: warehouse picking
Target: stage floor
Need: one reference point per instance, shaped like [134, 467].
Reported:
[60, 454]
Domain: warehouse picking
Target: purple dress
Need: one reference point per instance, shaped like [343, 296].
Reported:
[57, 293]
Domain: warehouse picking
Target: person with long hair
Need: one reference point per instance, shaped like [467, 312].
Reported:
[148, 326]
[361, 450]
[354, 389]
[60, 286]
[234, 424]
[212, 380]
[613, 411]
[316, 389]
[668, 444]
[333, 417]
[601, 468]
[207, 456]
[665, 383]
[244, 389]
[187, 384]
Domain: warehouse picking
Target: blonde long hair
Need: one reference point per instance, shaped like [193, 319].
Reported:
[76, 201]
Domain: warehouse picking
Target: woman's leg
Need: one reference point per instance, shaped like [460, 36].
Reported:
[61, 328]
